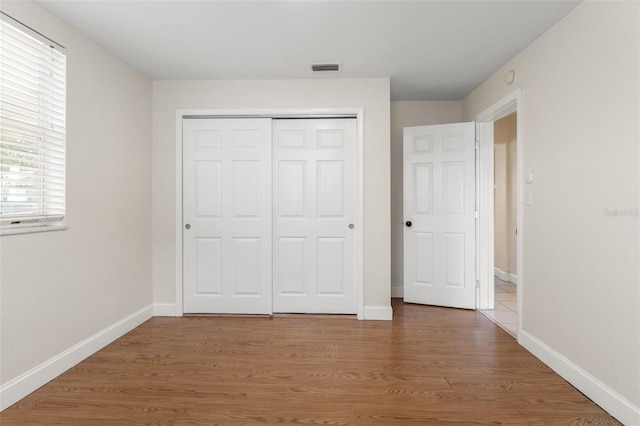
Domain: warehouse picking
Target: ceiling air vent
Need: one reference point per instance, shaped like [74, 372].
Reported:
[325, 67]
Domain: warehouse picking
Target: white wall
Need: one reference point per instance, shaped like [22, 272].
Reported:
[371, 94]
[504, 139]
[406, 114]
[500, 240]
[59, 288]
[581, 278]
[512, 198]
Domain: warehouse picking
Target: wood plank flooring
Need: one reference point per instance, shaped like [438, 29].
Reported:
[428, 366]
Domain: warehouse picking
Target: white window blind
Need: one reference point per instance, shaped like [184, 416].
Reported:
[32, 127]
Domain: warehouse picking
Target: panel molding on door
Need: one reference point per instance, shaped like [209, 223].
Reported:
[439, 214]
[314, 206]
[227, 259]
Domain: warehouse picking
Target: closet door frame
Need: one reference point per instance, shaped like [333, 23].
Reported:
[357, 113]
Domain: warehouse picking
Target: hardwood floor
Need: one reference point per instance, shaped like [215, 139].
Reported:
[428, 366]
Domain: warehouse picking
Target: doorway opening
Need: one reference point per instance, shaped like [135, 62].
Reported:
[505, 309]
[501, 233]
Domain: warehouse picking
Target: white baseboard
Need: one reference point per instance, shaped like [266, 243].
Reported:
[397, 292]
[16, 389]
[499, 273]
[505, 276]
[371, 312]
[164, 309]
[612, 402]
[383, 313]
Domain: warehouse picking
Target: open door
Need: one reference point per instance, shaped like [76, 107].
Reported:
[440, 215]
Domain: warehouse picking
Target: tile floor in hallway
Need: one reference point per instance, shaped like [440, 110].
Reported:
[505, 312]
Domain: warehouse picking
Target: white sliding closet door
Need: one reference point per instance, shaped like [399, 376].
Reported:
[314, 216]
[227, 229]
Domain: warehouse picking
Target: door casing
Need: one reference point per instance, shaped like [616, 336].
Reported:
[358, 113]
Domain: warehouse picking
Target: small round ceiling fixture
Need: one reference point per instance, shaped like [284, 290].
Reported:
[510, 77]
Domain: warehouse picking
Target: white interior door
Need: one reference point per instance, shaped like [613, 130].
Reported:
[227, 232]
[440, 213]
[314, 216]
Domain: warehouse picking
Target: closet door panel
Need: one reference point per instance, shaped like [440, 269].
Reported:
[315, 202]
[227, 230]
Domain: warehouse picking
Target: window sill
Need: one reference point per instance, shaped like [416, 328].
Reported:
[15, 230]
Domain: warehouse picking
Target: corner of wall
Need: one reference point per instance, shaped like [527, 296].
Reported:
[28, 382]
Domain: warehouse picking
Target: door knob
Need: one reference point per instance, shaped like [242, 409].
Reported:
[351, 226]
[187, 226]
[408, 223]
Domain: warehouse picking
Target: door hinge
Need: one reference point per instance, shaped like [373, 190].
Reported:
[477, 145]
[477, 283]
[477, 214]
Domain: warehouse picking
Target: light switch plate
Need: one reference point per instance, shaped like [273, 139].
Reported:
[529, 176]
